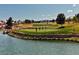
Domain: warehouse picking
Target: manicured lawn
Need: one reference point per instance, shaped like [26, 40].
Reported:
[46, 31]
[51, 28]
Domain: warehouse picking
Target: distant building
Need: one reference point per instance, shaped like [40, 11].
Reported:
[2, 24]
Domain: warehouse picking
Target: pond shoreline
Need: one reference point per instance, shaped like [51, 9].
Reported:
[63, 37]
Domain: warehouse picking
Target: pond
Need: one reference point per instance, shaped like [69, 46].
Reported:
[13, 46]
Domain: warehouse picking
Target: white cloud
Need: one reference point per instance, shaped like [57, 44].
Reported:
[74, 5]
[69, 11]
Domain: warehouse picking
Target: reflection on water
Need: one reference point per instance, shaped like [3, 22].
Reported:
[10, 45]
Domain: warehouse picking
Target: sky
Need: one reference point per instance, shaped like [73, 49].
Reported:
[36, 11]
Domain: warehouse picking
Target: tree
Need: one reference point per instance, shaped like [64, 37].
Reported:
[53, 20]
[60, 19]
[32, 21]
[47, 21]
[74, 19]
[27, 21]
[9, 22]
[69, 20]
[77, 15]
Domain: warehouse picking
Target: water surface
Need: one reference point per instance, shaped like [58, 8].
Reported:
[10, 45]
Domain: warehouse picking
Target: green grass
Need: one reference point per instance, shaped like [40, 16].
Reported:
[46, 31]
[51, 28]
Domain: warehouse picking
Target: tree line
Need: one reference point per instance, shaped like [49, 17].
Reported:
[61, 19]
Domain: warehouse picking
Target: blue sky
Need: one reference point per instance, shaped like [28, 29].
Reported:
[36, 11]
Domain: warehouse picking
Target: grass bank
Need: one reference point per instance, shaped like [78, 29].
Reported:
[49, 31]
